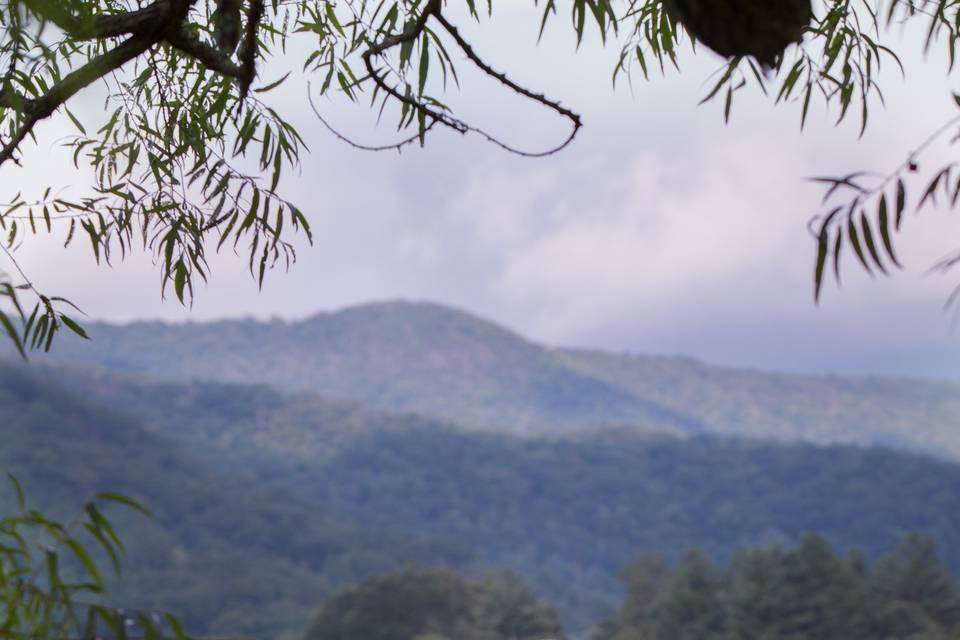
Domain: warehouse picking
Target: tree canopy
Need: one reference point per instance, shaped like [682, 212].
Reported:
[806, 592]
[188, 154]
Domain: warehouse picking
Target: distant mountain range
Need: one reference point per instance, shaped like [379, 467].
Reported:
[437, 361]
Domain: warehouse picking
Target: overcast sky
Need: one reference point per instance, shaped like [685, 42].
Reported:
[658, 231]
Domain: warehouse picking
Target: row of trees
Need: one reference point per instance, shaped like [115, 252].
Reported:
[809, 592]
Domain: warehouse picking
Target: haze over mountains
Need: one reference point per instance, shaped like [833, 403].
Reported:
[286, 459]
[265, 501]
[437, 361]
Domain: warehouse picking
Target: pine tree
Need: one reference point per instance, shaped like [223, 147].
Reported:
[690, 606]
[915, 573]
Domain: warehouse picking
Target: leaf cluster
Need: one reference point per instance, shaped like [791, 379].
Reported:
[47, 570]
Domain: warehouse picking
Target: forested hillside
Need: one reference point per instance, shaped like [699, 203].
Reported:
[227, 555]
[441, 362]
[568, 511]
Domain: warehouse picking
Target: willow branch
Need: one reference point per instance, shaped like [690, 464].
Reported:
[433, 8]
[504, 80]
[208, 55]
[248, 50]
[142, 21]
[35, 110]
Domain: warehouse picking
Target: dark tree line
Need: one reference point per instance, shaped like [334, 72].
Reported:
[810, 592]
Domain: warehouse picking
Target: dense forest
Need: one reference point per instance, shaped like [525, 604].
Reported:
[274, 500]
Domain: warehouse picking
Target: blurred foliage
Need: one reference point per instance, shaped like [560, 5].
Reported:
[52, 584]
[801, 593]
[437, 604]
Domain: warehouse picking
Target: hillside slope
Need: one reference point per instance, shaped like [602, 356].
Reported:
[901, 413]
[438, 361]
[226, 554]
[398, 356]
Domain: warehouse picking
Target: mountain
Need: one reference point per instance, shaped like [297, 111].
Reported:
[399, 356]
[901, 413]
[224, 552]
[433, 360]
[568, 510]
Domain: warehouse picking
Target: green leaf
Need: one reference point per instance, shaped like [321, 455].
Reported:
[18, 490]
[124, 500]
[179, 279]
[883, 221]
[273, 85]
[901, 204]
[871, 245]
[13, 335]
[424, 65]
[87, 561]
[178, 632]
[822, 246]
[855, 243]
[73, 326]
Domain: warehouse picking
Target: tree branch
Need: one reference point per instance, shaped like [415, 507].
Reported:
[248, 50]
[210, 56]
[433, 8]
[37, 109]
[149, 19]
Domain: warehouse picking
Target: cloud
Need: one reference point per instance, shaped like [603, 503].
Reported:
[659, 230]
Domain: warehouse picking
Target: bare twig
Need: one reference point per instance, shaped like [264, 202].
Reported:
[413, 31]
[503, 79]
[395, 146]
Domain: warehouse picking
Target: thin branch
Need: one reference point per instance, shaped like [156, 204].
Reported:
[396, 146]
[433, 8]
[208, 55]
[503, 79]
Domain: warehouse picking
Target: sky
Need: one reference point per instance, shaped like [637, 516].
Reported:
[659, 230]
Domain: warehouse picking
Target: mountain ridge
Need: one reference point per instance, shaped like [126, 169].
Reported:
[433, 360]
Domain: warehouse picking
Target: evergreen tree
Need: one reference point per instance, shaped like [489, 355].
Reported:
[644, 580]
[690, 606]
[915, 573]
[801, 594]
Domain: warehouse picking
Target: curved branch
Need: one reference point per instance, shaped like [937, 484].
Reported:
[503, 79]
[433, 8]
